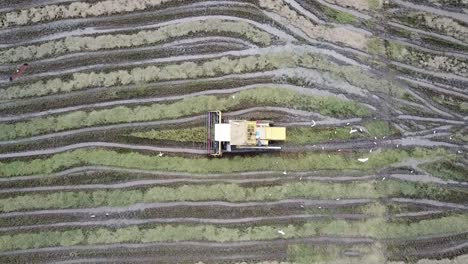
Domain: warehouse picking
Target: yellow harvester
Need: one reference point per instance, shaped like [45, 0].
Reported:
[241, 135]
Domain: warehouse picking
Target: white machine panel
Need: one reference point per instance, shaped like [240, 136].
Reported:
[223, 132]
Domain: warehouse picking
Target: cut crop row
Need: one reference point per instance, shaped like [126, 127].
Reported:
[332, 33]
[76, 10]
[268, 60]
[418, 58]
[329, 106]
[228, 192]
[296, 135]
[374, 228]
[143, 38]
[435, 23]
[287, 161]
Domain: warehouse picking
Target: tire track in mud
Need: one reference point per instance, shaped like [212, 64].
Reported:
[428, 33]
[430, 119]
[443, 251]
[318, 240]
[432, 203]
[117, 223]
[151, 183]
[101, 145]
[418, 214]
[84, 169]
[100, 211]
[442, 75]
[448, 90]
[425, 178]
[438, 11]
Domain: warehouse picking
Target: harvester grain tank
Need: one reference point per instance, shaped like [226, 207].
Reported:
[236, 136]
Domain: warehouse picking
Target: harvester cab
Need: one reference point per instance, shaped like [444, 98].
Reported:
[236, 136]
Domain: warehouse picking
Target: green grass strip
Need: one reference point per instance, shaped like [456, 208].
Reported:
[193, 134]
[447, 170]
[229, 192]
[224, 192]
[326, 105]
[338, 16]
[375, 227]
[289, 162]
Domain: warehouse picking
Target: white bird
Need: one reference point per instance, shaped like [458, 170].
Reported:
[353, 131]
[281, 232]
[160, 154]
[313, 123]
[363, 159]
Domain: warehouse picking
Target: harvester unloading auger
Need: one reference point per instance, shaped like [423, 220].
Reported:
[241, 135]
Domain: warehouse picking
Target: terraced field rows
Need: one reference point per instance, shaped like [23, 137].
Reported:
[102, 140]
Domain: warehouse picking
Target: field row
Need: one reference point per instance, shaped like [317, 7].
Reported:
[326, 105]
[374, 227]
[230, 192]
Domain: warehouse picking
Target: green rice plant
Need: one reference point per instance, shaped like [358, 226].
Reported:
[194, 134]
[376, 46]
[380, 128]
[190, 106]
[447, 170]
[375, 4]
[289, 162]
[338, 16]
